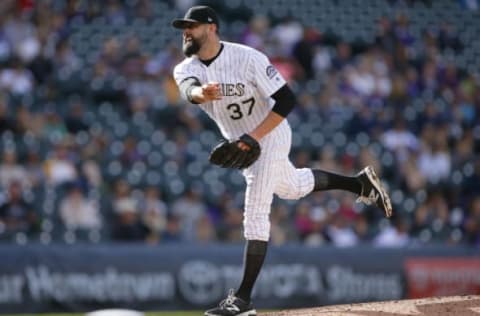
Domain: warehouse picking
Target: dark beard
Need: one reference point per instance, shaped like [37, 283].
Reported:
[190, 48]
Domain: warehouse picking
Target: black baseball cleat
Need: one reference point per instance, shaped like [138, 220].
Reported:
[373, 191]
[232, 306]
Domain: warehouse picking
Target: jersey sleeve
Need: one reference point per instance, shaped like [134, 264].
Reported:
[264, 75]
[184, 71]
[185, 76]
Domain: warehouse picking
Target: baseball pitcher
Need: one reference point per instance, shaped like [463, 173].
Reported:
[249, 100]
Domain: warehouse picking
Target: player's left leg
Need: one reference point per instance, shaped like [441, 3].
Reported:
[296, 183]
[325, 180]
[365, 184]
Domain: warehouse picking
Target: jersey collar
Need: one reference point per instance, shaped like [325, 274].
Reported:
[211, 60]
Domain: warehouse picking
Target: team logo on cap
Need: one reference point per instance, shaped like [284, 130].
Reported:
[209, 19]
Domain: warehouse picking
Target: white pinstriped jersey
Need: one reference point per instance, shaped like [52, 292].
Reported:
[247, 80]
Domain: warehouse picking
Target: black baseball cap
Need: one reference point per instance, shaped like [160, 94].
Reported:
[197, 14]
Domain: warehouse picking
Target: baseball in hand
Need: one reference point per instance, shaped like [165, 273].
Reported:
[211, 91]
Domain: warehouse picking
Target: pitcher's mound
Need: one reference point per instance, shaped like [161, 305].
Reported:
[432, 306]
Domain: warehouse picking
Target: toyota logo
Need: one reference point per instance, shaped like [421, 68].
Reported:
[200, 282]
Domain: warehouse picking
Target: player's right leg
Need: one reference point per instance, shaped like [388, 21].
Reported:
[232, 306]
[261, 179]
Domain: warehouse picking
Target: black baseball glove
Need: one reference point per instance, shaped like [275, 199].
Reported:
[229, 155]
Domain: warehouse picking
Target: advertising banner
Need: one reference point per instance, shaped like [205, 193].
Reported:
[80, 278]
[442, 276]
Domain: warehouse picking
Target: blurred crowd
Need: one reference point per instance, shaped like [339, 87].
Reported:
[78, 127]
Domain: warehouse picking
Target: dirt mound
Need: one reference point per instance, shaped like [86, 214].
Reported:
[433, 306]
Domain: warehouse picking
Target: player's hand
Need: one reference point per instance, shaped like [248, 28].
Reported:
[239, 154]
[244, 146]
[211, 91]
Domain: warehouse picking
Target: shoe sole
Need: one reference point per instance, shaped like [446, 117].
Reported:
[247, 313]
[372, 176]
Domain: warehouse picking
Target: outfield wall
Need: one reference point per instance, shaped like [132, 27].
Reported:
[59, 278]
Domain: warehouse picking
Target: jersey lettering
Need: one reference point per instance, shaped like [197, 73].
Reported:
[232, 90]
[251, 103]
[236, 113]
[236, 109]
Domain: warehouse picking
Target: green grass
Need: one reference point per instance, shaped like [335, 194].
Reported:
[186, 313]
[189, 313]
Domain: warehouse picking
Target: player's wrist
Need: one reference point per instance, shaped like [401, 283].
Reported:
[254, 135]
